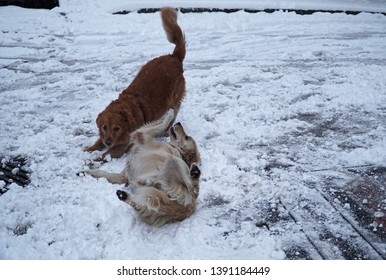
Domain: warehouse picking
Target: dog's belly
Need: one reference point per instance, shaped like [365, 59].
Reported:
[145, 164]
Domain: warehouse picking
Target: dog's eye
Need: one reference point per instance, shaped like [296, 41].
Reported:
[104, 127]
[187, 138]
[116, 128]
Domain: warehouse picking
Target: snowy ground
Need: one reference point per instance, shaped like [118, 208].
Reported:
[278, 103]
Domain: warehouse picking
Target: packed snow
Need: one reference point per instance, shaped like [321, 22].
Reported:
[264, 91]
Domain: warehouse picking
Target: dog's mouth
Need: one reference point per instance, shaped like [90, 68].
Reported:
[173, 133]
[108, 143]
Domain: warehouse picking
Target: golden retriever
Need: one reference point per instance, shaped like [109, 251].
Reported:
[163, 177]
[158, 86]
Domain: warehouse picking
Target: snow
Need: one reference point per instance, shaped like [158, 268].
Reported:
[343, 5]
[378, 214]
[262, 90]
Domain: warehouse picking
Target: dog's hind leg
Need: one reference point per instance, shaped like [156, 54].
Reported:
[176, 181]
[113, 178]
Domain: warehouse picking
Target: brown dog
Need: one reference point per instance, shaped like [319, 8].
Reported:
[159, 86]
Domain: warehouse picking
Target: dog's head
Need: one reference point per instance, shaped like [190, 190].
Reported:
[113, 128]
[185, 144]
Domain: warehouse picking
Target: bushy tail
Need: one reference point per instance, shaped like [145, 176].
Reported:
[173, 32]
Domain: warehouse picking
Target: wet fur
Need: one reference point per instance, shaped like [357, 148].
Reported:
[163, 177]
[158, 86]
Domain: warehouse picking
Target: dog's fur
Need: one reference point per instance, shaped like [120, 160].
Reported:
[163, 177]
[158, 86]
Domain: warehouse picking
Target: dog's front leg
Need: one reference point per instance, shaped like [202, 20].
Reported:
[150, 130]
[113, 178]
[98, 146]
[116, 151]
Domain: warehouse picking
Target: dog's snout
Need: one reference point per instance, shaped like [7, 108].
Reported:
[195, 172]
[108, 142]
[178, 124]
[172, 132]
[122, 195]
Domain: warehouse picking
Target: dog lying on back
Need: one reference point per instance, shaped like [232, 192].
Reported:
[158, 86]
[163, 177]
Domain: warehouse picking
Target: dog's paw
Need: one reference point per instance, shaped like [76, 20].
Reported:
[88, 149]
[195, 172]
[144, 182]
[170, 112]
[122, 195]
[149, 183]
[102, 159]
[169, 115]
[81, 173]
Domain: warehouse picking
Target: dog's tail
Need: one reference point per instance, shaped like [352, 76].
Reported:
[173, 32]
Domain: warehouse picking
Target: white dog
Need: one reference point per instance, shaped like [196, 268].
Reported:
[163, 177]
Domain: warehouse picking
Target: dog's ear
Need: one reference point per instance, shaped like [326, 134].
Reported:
[128, 120]
[99, 119]
[123, 115]
[123, 120]
[191, 157]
